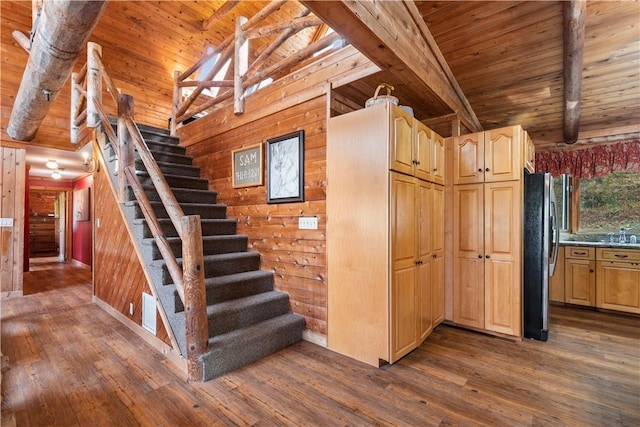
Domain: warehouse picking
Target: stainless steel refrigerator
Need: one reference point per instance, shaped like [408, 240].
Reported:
[541, 239]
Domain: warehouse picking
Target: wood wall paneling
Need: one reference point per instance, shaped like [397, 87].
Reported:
[118, 276]
[12, 187]
[296, 257]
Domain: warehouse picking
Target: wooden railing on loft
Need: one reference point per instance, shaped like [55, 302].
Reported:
[87, 107]
[244, 75]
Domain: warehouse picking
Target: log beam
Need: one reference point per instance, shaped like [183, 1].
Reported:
[574, 17]
[219, 14]
[61, 35]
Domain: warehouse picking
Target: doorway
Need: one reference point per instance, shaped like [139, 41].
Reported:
[48, 218]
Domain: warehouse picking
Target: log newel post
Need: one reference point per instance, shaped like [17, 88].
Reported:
[94, 84]
[177, 98]
[125, 144]
[240, 65]
[76, 96]
[195, 305]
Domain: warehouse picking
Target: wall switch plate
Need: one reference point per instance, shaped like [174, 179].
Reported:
[308, 223]
[6, 222]
[131, 308]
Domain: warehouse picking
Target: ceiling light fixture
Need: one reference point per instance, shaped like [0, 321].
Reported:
[56, 175]
[52, 164]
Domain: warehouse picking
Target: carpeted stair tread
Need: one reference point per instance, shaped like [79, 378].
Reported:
[172, 168]
[160, 146]
[210, 227]
[176, 180]
[243, 346]
[186, 195]
[211, 245]
[244, 312]
[205, 210]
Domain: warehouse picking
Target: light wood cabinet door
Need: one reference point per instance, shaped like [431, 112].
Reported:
[437, 219]
[404, 208]
[530, 153]
[502, 151]
[580, 282]
[468, 158]
[437, 287]
[437, 159]
[618, 286]
[425, 249]
[468, 251]
[423, 145]
[401, 155]
[502, 224]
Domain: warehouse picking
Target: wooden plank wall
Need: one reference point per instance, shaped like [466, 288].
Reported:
[12, 188]
[297, 257]
[118, 278]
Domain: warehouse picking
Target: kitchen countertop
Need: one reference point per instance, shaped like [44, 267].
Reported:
[600, 244]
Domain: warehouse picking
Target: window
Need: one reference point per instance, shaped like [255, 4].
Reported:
[610, 202]
[562, 189]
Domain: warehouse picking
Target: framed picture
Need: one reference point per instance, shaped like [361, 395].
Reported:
[81, 205]
[285, 165]
[246, 166]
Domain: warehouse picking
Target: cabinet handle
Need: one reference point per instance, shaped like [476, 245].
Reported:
[434, 256]
[479, 169]
[435, 169]
[487, 170]
[479, 256]
[621, 256]
[419, 262]
[416, 162]
[487, 257]
[581, 253]
[590, 271]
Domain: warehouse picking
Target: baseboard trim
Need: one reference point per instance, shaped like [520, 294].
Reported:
[152, 340]
[11, 294]
[315, 338]
[82, 265]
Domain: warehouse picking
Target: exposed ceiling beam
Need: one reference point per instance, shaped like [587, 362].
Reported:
[394, 36]
[574, 17]
[219, 14]
[60, 35]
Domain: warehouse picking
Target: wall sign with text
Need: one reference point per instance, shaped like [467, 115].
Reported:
[246, 166]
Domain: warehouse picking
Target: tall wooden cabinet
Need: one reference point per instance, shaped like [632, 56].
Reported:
[384, 241]
[488, 169]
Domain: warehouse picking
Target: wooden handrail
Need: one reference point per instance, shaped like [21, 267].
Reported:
[157, 177]
[161, 240]
[188, 280]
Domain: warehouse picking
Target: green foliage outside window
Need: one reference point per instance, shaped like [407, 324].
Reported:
[610, 202]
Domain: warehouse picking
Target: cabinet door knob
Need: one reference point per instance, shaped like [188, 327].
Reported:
[479, 169]
[487, 169]
[591, 271]
[479, 256]
[487, 257]
[435, 169]
[416, 162]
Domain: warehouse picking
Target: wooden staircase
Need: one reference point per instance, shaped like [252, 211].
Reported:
[247, 318]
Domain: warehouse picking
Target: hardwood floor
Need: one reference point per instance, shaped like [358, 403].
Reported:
[71, 364]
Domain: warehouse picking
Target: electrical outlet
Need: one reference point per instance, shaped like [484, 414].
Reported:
[308, 223]
[131, 308]
[6, 222]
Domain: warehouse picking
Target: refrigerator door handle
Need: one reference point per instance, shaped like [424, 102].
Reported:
[556, 237]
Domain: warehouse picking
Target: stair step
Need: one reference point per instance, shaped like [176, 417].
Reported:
[205, 210]
[210, 227]
[211, 245]
[218, 265]
[172, 168]
[176, 181]
[244, 312]
[158, 146]
[181, 159]
[225, 288]
[238, 348]
[182, 195]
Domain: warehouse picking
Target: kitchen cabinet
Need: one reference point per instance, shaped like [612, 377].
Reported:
[437, 263]
[487, 256]
[381, 234]
[580, 277]
[530, 153]
[489, 156]
[556, 282]
[488, 169]
[421, 155]
[618, 279]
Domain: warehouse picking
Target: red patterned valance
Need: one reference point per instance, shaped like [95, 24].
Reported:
[591, 162]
